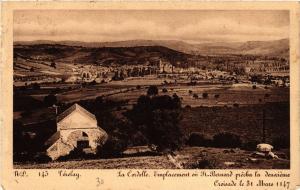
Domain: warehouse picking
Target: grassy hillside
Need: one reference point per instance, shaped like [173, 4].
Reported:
[41, 56]
[246, 122]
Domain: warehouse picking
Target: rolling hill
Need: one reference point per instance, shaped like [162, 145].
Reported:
[277, 48]
[102, 55]
[40, 58]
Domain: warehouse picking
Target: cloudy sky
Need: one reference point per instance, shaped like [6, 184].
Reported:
[116, 25]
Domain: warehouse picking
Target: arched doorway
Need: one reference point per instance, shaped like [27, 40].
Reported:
[83, 141]
[79, 139]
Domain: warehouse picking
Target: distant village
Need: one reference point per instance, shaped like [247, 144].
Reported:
[274, 71]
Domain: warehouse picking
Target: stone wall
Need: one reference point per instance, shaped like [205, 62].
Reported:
[71, 136]
[58, 149]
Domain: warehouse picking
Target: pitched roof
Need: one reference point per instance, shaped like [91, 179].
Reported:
[72, 109]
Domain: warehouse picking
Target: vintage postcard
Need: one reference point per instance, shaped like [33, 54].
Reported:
[150, 95]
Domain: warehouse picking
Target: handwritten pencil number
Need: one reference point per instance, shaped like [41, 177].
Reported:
[99, 181]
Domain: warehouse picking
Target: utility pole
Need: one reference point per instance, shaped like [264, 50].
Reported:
[263, 127]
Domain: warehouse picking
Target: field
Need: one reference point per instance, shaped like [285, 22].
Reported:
[227, 94]
[218, 94]
[226, 158]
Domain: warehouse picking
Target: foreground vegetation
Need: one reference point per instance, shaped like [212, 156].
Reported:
[190, 157]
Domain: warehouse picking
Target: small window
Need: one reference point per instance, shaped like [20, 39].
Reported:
[82, 144]
[84, 134]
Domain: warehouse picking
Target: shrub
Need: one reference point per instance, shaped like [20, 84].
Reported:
[50, 100]
[190, 91]
[187, 107]
[99, 101]
[113, 147]
[36, 86]
[217, 95]
[55, 91]
[24, 156]
[195, 96]
[281, 142]
[152, 90]
[41, 158]
[267, 95]
[138, 87]
[254, 87]
[205, 95]
[197, 139]
[250, 145]
[236, 105]
[74, 154]
[226, 140]
[53, 65]
[93, 82]
[26, 113]
[138, 139]
[207, 162]
[164, 90]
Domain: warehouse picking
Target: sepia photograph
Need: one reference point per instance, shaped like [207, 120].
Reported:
[151, 89]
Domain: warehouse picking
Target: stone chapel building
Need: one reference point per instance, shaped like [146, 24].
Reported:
[76, 128]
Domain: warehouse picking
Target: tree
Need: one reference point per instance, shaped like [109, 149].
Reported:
[198, 139]
[99, 101]
[239, 70]
[114, 146]
[236, 105]
[158, 119]
[36, 86]
[50, 100]
[164, 131]
[255, 79]
[205, 95]
[176, 101]
[152, 91]
[93, 83]
[226, 139]
[53, 65]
